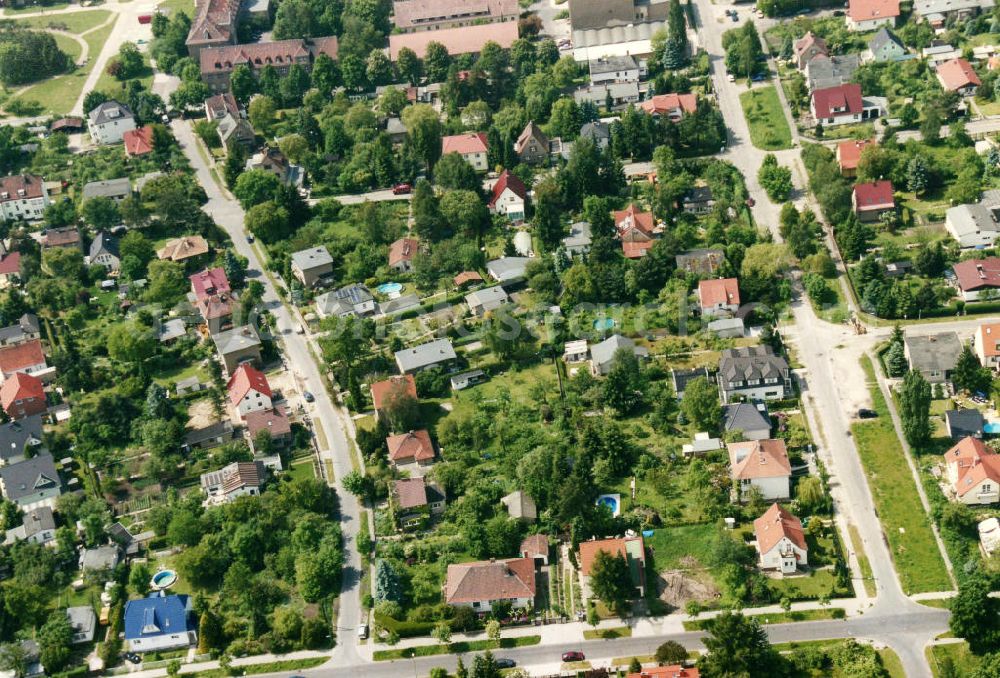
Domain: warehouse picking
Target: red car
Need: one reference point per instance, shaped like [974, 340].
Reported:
[401, 189]
[145, 18]
[573, 656]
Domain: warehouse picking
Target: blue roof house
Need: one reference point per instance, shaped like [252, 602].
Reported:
[159, 622]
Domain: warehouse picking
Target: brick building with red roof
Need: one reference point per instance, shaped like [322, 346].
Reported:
[23, 395]
[973, 472]
[975, 276]
[138, 142]
[958, 75]
[719, 296]
[873, 199]
[508, 197]
[479, 585]
[249, 390]
[472, 146]
[781, 543]
[671, 106]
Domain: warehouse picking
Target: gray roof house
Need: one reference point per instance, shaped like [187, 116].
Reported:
[752, 420]
[104, 251]
[37, 527]
[753, 373]
[26, 329]
[681, 378]
[976, 225]
[599, 132]
[507, 269]
[312, 264]
[31, 483]
[116, 189]
[353, 299]
[100, 558]
[402, 304]
[418, 358]
[884, 46]
[933, 355]
[727, 327]
[83, 621]
[487, 299]
[16, 437]
[602, 355]
[520, 506]
[579, 238]
[964, 423]
[238, 345]
[823, 71]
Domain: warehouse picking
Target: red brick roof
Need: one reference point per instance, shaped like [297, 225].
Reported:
[463, 40]
[673, 671]
[505, 181]
[402, 250]
[614, 547]
[244, 379]
[849, 152]
[972, 461]
[10, 263]
[467, 277]
[274, 421]
[808, 41]
[20, 386]
[415, 445]
[138, 141]
[665, 104]
[984, 334]
[215, 306]
[956, 74]
[846, 98]
[470, 142]
[418, 13]
[381, 389]
[636, 249]
[760, 459]
[15, 358]
[876, 195]
[724, 291]
[868, 10]
[534, 545]
[259, 54]
[411, 493]
[775, 524]
[11, 187]
[631, 218]
[208, 282]
[490, 580]
[974, 274]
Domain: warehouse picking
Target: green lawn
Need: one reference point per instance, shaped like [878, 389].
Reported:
[863, 562]
[454, 648]
[962, 660]
[670, 545]
[68, 45]
[822, 614]
[608, 634]
[302, 469]
[73, 22]
[31, 9]
[186, 6]
[269, 667]
[109, 84]
[906, 525]
[768, 127]
[817, 585]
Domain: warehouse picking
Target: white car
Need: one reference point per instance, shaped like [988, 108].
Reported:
[730, 77]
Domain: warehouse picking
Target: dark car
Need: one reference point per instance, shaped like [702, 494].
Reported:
[250, 238]
[865, 413]
[505, 663]
[573, 656]
[308, 396]
[401, 189]
[751, 202]
[132, 657]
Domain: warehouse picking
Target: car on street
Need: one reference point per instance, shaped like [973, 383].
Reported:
[751, 202]
[505, 663]
[573, 656]
[401, 189]
[363, 631]
[736, 16]
[730, 77]
[132, 657]
[309, 397]
[250, 238]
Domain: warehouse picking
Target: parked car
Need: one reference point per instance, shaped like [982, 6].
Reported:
[736, 16]
[865, 413]
[250, 238]
[401, 189]
[363, 631]
[132, 657]
[504, 663]
[838, 12]
[309, 397]
[730, 77]
[573, 656]
[751, 202]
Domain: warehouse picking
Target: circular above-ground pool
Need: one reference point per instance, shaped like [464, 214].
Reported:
[604, 323]
[389, 288]
[163, 579]
[612, 501]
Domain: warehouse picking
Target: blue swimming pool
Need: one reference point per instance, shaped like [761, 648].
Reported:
[389, 288]
[993, 428]
[604, 323]
[163, 579]
[611, 501]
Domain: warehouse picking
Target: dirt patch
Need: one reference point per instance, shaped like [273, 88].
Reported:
[201, 414]
[677, 587]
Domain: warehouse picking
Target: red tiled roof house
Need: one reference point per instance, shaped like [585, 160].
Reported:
[412, 448]
[957, 75]
[274, 421]
[536, 547]
[840, 105]
[213, 298]
[508, 197]
[482, 584]
[868, 15]
[138, 142]
[414, 500]
[636, 230]
[973, 277]
[719, 296]
[762, 464]
[986, 344]
[872, 200]
[671, 106]
[633, 549]
[394, 387]
[849, 154]
[248, 390]
[672, 671]
[27, 358]
[781, 543]
[808, 46]
[472, 146]
[401, 254]
[23, 395]
[973, 472]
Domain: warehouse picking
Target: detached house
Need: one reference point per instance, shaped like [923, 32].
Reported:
[274, 161]
[138, 141]
[633, 549]
[472, 146]
[602, 355]
[182, 249]
[753, 373]
[761, 464]
[415, 500]
[636, 230]
[933, 355]
[104, 251]
[437, 352]
[532, 146]
[109, 122]
[480, 585]
[248, 390]
[867, 15]
[508, 197]
[781, 542]
[973, 472]
[719, 296]
[159, 622]
[312, 265]
[236, 346]
[31, 483]
[411, 449]
[387, 390]
[885, 46]
[274, 421]
[23, 196]
[401, 254]
[839, 105]
[986, 344]
[849, 154]
[973, 226]
[487, 299]
[239, 479]
[872, 200]
[671, 106]
[976, 277]
[23, 395]
[27, 358]
[808, 47]
[213, 298]
[957, 75]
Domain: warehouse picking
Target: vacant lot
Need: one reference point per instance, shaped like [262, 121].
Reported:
[962, 660]
[906, 525]
[768, 127]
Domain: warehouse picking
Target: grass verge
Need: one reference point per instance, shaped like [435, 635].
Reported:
[906, 526]
[820, 614]
[939, 603]
[866, 567]
[269, 667]
[956, 655]
[608, 634]
[768, 127]
[454, 648]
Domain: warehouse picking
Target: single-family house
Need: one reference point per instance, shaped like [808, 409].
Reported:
[38, 526]
[602, 354]
[507, 269]
[311, 265]
[212, 297]
[933, 355]
[849, 154]
[23, 196]
[104, 251]
[401, 304]
[218, 106]
[236, 346]
[535, 547]
[23, 395]
[467, 278]
[618, 94]
[780, 540]
[424, 356]
[873, 199]
[31, 483]
[958, 75]
[520, 506]
[248, 390]
[508, 197]
[472, 146]
[964, 423]
[19, 439]
[353, 299]
[867, 15]
[753, 373]
[698, 200]
[977, 278]
[806, 48]
[636, 230]
[702, 443]
[614, 68]
[138, 141]
[700, 261]
[83, 622]
[414, 500]
[236, 131]
[671, 106]
[532, 145]
[274, 421]
[486, 299]
[272, 160]
[576, 351]
[413, 448]
[184, 248]
[159, 622]
[841, 105]
[27, 358]
[986, 345]
[10, 269]
[209, 435]
[973, 226]
[239, 479]
[680, 378]
[972, 469]
[24, 330]
[401, 254]
[750, 421]
[761, 464]
[831, 71]
[65, 236]
[112, 189]
[727, 328]
[100, 558]
[719, 296]
[598, 132]
[633, 549]
[208, 282]
[387, 390]
[109, 121]
[579, 239]
[884, 47]
[481, 584]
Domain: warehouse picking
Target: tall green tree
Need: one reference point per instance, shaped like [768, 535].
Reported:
[738, 646]
[975, 615]
[611, 581]
[700, 404]
[915, 408]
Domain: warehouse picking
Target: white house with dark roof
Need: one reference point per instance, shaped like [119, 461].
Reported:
[38, 526]
[109, 121]
[602, 354]
[933, 355]
[752, 421]
[310, 265]
[753, 373]
[418, 358]
[23, 196]
[31, 483]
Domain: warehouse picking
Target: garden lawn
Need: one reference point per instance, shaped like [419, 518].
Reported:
[169, 6]
[768, 127]
[73, 22]
[670, 545]
[608, 634]
[109, 84]
[817, 585]
[963, 661]
[906, 526]
[302, 469]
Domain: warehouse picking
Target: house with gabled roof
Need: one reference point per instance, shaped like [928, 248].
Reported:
[159, 622]
[780, 541]
[633, 549]
[873, 199]
[472, 146]
[508, 196]
[753, 373]
[831, 71]
[670, 671]
[535, 547]
[238, 345]
[239, 479]
[109, 121]
[393, 387]
[636, 230]
[354, 299]
[411, 449]
[761, 464]
[23, 395]
[672, 106]
[20, 438]
[977, 277]
[532, 145]
[520, 506]
[849, 154]
[933, 355]
[24, 330]
[482, 584]
[867, 15]
[964, 422]
[958, 75]
[401, 254]
[972, 469]
[602, 354]
[425, 356]
[884, 47]
[414, 500]
[31, 483]
[719, 296]
[486, 299]
[249, 390]
[37, 527]
[27, 358]
[104, 251]
[749, 420]
[986, 345]
[840, 105]
[807, 47]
